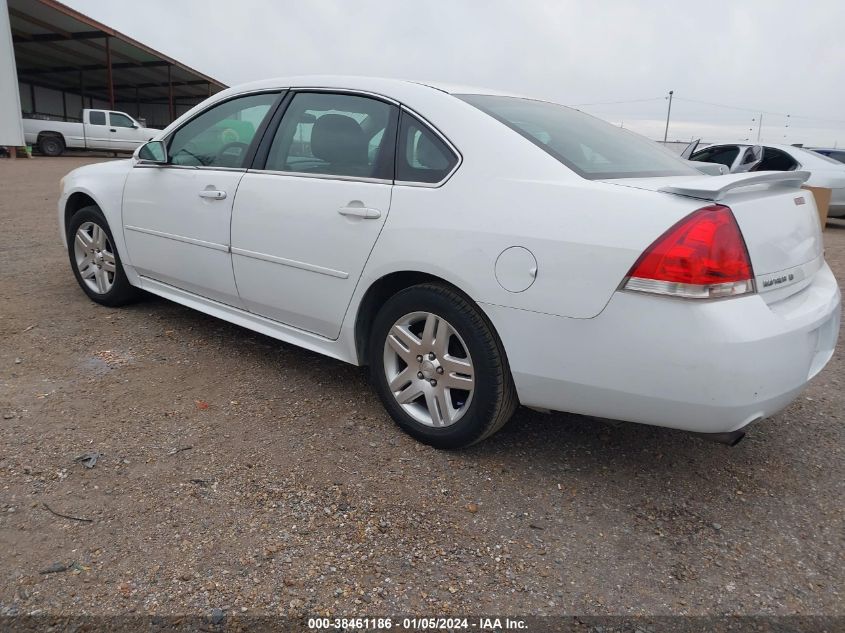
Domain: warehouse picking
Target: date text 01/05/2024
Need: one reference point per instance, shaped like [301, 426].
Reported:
[417, 624]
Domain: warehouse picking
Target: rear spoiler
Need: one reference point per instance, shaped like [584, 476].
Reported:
[715, 187]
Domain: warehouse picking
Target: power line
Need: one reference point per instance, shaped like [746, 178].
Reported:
[758, 110]
[716, 105]
[575, 105]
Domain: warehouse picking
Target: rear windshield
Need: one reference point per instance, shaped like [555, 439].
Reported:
[589, 146]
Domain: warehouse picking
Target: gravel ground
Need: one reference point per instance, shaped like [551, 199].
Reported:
[241, 474]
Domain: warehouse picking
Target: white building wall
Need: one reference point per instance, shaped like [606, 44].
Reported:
[11, 129]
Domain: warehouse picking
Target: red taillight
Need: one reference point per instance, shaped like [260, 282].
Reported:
[703, 256]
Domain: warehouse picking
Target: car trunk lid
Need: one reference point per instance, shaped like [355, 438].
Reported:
[778, 220]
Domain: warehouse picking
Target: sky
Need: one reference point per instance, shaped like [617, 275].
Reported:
[615, 59]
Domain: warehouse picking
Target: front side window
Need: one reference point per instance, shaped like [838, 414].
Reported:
[221, 136]
[336, 135]
[116, 119]
[723, 154]
[97, 117]
[422, 157]
[590, 147]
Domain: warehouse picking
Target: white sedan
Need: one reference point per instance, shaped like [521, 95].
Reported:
[823, 171]
[476, 250]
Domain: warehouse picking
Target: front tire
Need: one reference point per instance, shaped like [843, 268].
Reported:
[439, 368]
[95, 261]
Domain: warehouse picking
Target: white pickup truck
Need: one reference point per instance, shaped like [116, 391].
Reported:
[100, 130]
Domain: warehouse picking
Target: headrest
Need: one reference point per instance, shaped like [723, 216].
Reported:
[337, 138]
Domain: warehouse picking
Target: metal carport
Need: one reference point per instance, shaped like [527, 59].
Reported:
[67, 61]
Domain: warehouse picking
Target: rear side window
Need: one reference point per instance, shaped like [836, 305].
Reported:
[335, 135]
[590, 147]
[776, 160]
[97, 118]
[422, 156]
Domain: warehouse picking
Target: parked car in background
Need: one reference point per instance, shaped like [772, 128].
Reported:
[476, 250]
[99, 130]
[744, 157]
[835, 154]
[711, 169]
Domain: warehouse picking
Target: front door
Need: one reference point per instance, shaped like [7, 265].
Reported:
[176, 217]
[304, 225]
[124, 133]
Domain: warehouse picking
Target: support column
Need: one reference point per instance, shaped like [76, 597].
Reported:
[81, 95]
[170, 93]
[109, 77]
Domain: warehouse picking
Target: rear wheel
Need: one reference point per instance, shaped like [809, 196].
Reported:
[94, 259]
[51, 145]
[439, 367]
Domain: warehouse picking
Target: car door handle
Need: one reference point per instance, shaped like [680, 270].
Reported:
[360, 212]
[112, 130]
[214, 194]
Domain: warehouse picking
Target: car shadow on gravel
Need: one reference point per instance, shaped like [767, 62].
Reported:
[553, 441]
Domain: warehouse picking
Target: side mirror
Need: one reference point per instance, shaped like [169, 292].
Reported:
[135, 126]
[753, 157]
[152, 152]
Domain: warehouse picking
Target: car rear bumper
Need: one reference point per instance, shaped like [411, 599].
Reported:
[708, 367]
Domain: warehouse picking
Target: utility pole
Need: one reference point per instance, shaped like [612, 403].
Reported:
[668, 113]
[759, 127]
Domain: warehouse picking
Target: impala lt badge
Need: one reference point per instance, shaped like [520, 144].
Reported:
[774, 281]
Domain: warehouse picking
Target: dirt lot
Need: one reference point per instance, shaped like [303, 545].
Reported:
[240, 474]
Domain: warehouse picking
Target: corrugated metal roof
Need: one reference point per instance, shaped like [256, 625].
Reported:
[60, 48]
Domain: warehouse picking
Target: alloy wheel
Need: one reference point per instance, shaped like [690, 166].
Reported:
[429, 369]
[94, 256]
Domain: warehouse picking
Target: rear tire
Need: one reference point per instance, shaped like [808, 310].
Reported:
[50, 145]
[439, 367]
[95, 261]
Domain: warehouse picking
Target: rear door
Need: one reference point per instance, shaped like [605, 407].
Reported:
[308, 215]
[97, 135]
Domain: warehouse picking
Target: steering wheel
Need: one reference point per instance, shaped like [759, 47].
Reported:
[228, 146]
